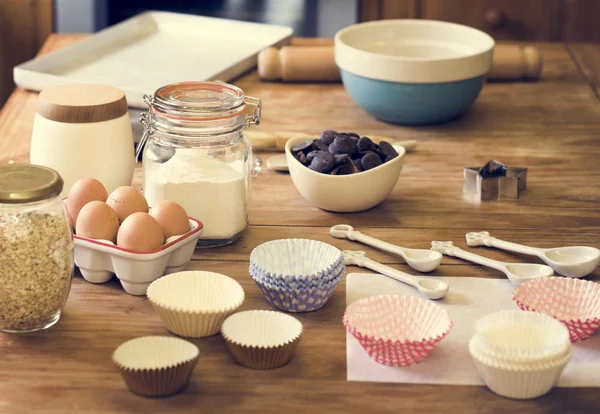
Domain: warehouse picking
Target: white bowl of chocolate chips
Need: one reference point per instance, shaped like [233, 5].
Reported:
[343, 172]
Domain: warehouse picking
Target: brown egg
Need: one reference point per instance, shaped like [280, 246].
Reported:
[126, 201]
[97, 220]
[140, 232]
[172, 218]
[81, 193]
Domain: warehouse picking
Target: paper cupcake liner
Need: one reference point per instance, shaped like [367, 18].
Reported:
[574, 302]
[156, 366]
[519, 382]
[296, 257]
[315, 284]
[302, 280]
[299, 300]
[262, 339]
[397, 330]
[513, 335]
[194, 304]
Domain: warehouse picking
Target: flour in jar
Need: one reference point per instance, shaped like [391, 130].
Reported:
[209, 190]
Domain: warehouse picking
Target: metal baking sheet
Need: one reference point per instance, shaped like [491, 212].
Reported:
[154, 49]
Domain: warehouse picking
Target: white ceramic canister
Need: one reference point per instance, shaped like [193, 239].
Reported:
[83, 130]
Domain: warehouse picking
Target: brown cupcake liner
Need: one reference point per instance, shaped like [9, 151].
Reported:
[158, 382]
[262, 358]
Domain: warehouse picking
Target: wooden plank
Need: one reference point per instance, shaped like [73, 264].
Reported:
[369, 10]
[587, 57]
[580, 21]
[398, 9]
[522, 19]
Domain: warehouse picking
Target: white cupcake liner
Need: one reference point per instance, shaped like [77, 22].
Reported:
[195, 303]
[262, 339]
[514, 335]
[397, 330]
[156, 365]
[519, 382]
[300, 258]
[574, 302]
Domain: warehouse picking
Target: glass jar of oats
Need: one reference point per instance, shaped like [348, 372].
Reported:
[36, 248]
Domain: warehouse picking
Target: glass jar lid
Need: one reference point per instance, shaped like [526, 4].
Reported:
[24, 183]
[199, 97]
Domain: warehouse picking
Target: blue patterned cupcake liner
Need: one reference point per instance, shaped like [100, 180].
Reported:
[325, 284]
[301, 300]
[297, 283]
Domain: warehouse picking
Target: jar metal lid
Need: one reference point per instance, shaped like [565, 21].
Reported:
[82, 103]
[24, 183]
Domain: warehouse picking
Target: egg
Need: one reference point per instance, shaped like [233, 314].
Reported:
[126, 201]
[140, 232]
[172, 218]
[81, 193]
[97, 220]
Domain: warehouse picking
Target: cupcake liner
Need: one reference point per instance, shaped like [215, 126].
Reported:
[298, 300]
[397, 330]
[292, 284]
[574, 302]
[296, 258]
[156, 366]
[519, 382]
[514, 335]
[293, 280]
[262, 339]
[195, 303]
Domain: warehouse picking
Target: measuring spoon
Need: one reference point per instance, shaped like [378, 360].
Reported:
[422, 260]
[517, 272]
[431, 288]
[571, 261]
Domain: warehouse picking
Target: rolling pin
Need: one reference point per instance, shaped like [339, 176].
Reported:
[316, 63]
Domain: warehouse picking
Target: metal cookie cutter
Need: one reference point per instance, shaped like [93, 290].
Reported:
[494, 181]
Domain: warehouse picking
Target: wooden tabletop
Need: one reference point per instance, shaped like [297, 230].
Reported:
[552, 127]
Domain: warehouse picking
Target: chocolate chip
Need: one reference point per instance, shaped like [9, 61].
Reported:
[356, 162]
[304, 146]
[343, 144]
[365, 144]
[302, 158]
[370, 160]
[390, 157]
[328, 136]
[348, 167]
[322, 162]
[340, 158]
[335, 171]
[321, 145]
[352, 134]
[387, 148]
[311, 155]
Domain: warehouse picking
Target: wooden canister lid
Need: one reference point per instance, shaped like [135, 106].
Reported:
[82, 103]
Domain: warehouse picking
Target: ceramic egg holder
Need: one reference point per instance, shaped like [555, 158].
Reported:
[99, 260]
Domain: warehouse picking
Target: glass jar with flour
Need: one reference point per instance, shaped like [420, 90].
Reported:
[196, 154]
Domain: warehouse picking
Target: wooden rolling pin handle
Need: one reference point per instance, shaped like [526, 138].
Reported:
[298, 64]
[306, 63]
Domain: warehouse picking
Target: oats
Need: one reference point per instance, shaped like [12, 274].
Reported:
[36, 267]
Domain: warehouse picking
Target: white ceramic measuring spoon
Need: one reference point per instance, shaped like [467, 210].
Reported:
[422, 260]
[431, 288]
[571, 261]
[517, 272]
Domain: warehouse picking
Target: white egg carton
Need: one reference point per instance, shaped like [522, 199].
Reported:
[100, 260]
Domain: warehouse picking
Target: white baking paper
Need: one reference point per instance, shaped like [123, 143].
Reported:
[450, 361]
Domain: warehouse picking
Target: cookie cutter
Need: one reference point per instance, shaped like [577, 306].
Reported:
[494, 181]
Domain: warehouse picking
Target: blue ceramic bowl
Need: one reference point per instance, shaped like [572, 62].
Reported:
[413, 72]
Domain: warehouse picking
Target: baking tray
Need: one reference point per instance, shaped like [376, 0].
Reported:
[154, 49]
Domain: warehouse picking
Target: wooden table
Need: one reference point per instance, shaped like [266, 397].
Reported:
[552, 126]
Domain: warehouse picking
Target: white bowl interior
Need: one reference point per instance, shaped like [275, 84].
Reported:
[417, 40]
[154, 352]
[196, 291]
[295, 257]
[263, 329]
[398, 318]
